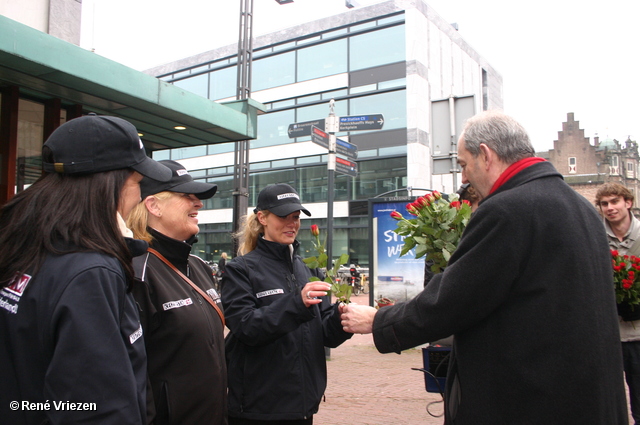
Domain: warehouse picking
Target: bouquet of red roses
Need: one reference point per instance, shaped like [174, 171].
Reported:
[435, 228]
[626, 278]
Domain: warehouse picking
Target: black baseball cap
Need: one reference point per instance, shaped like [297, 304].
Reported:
[97, 143]
[181, 181]
[281, 199]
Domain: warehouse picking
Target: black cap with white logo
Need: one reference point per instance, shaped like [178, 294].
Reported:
[98, 143]
[181, 181]
[281, 199]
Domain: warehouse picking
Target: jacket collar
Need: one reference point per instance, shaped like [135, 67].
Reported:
[177, 252]
[530, 173]
[277, 250]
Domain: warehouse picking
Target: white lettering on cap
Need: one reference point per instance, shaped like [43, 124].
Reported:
[288, 195]
[141, 145]
[182, 172]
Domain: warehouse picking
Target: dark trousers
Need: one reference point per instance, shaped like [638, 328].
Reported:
[239, 421]
[631, 361]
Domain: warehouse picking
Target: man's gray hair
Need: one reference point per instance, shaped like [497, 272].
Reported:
[501, 133]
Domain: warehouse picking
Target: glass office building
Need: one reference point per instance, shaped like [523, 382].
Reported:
[392, 58]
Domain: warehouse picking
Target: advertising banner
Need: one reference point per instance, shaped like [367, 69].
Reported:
[390, 275]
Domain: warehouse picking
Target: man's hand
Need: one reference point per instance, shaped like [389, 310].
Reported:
[357, 319]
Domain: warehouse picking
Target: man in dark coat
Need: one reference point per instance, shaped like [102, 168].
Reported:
[528, 296]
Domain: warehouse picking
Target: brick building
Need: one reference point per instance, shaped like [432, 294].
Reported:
[586, 166]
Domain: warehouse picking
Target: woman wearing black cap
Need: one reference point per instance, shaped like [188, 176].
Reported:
[280, 322]
[181, 312]
[72, 346]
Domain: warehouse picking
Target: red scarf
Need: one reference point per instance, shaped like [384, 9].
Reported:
[514, 169]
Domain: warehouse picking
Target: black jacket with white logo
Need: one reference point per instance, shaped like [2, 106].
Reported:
[184, 336]
[71, 339]
[275, 350]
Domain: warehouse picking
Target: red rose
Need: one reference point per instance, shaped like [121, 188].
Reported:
[314, 230]
[422, 201]
[396, 215]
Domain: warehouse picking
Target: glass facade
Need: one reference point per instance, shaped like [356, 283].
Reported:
[375, 176]
[381, 168]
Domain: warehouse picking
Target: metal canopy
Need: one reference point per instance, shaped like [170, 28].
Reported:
[45, 67]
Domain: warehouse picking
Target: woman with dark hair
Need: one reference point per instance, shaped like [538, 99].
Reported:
[180, 310]
[72, 346]
[279, 319]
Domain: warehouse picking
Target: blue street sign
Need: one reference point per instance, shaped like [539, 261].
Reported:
[347, 149]
[361, 122]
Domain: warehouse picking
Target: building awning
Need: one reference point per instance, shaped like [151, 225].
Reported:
[45, 67]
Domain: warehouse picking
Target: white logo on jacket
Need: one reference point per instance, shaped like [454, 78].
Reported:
[136, 335]
[177, 304]
[269, 292]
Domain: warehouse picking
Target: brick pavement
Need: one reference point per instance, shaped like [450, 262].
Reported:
[368, 388]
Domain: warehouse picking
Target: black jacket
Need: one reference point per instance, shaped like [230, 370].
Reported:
[71, 334]
[275, 351]
[529, 296]
[184, 336]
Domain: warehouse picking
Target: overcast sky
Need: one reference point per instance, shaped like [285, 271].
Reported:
[555, 56]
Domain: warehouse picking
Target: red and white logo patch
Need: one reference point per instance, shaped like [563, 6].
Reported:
[19, 284]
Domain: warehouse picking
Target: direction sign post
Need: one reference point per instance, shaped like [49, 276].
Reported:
[361, 122]
[303, 129]
[346, 167]
[323, 133]
[319, 137]
[347, 149]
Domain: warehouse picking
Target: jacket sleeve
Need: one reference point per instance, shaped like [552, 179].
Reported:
[98, 351]
[255, 324]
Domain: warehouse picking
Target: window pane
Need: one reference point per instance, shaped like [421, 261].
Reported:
[273, 129]
[322, 60]
[161, 155]
[392, 105]
[273, 71]
[224, 83]
[198, 84]
[224, 195]
[313, 184]
[211, 244]
[389, 48]
[191, 152]
[379, 176]
[359, 246]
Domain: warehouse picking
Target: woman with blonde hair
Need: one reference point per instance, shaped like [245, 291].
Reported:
[180, 312]
[279, 320]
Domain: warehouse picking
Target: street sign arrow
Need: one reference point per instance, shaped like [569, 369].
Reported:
[347, 149]
[319, 137]
[361, 122]
[346, 167]
[302, 129]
